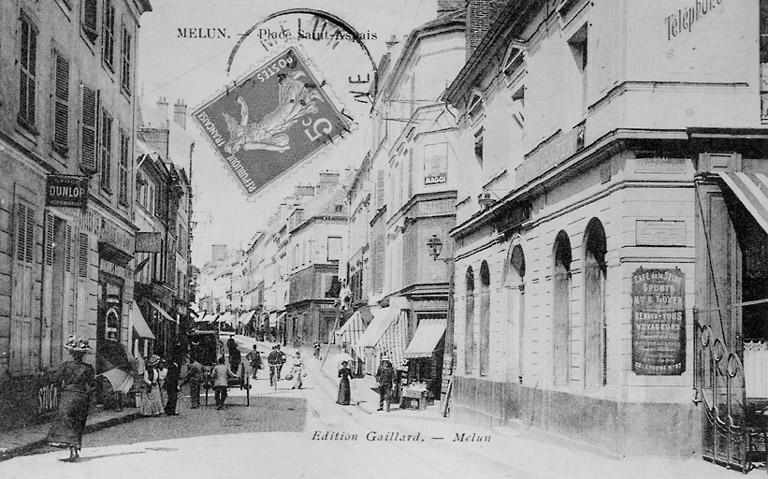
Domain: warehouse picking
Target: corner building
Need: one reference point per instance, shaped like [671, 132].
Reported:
[609, 223]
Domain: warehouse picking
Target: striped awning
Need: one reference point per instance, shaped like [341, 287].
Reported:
[245, 317]
[274, 320]
[139, 323]
[425, 339]
[752, 191]
[162, 312]
[382, 319]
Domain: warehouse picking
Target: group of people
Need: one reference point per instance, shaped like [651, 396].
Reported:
[386, 376]
[276, 359]
[160, 386]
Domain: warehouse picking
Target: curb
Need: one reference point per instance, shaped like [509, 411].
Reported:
[89, 428]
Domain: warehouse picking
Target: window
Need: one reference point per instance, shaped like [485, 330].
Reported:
[89, 19]
[578, 44]
[595, 360]
[334, 248]
[485, 318]
[25, 233]
[561, 326]
[122, 193]
[338, 208]
[108, 35]
[60, 104]
[82, 265]
[469, 323]
[479, 147]
[125, 60]
[105, 152]
[88, 130]
[27, 73]
[515, 286]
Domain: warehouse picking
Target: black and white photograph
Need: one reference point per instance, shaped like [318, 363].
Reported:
[520, 239]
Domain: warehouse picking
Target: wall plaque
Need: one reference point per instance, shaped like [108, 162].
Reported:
[660, 233]
[658, 322]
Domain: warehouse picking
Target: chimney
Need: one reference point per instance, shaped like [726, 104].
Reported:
[304, 190]
[162, 109]
[445, 7]
[480, 16]
[180, 113]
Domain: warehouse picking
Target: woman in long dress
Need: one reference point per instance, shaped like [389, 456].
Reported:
[344, 390]
[151, 402]
[76, 380]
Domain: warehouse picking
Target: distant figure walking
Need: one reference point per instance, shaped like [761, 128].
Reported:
[76, 380]
[254, 358]
[316, 346]
[386, 376]
[344, 387]
[297, 371]
[172, 387]
[195, 376]
[220, 374]
[151, 402]
[274, 365]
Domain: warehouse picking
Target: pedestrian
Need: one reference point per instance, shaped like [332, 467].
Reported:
[344, 387]
[151, 402]
[273, 360]
[234, 356]
[317, 349]
[254, 358]
[386, 378]
[162, 371]
[172, 387]
[76, 381]
[297, 371]
[281, 361]
[195, 376]
[220, 375]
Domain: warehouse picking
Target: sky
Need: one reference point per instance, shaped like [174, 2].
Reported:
[194, 69]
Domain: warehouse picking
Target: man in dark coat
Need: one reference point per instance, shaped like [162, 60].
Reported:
[281, 361]
[386, 377]
[274, 364]
[172, 387]
[195, 377]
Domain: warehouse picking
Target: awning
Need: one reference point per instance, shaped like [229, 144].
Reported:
[246, 317]
[752, 190]
[425, 339]
[273, 321]
[111, 354]
[224, 318]
[352, 330]
[163, 312]
[382, 319]
[119, 379]
[139, 323]
[204, 317]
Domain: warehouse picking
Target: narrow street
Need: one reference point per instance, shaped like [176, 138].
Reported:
[303, 433]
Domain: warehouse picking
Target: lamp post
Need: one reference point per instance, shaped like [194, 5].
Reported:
[435, 246]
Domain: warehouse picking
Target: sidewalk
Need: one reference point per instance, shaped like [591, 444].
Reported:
[15, 442]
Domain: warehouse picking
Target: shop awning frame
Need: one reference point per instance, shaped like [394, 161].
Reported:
[752, 191]
[382, 319]
[426, 338]
[245, 318]
[162, 311]
[140, 323]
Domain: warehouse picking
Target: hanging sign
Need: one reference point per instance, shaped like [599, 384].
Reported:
[658, 322]
[66, 190]
[148, 242]
[271, 120]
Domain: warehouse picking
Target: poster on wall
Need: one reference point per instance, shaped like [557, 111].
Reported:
[658, 322]
[435, 163]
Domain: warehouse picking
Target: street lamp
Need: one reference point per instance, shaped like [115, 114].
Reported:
[435, 246]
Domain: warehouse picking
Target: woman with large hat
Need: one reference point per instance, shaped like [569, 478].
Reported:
[151, 402]
[76, 380]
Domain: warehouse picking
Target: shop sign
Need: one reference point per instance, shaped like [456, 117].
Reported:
[148, 242]
[66, 190]
[660, 233]
[660, 165]
[658, 322]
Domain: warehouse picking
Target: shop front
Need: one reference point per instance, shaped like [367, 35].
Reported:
[425, 356]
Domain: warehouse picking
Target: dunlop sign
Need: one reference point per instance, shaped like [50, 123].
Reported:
[66, 190]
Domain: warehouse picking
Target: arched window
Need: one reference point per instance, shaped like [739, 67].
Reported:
[485, 318]
[515, 319]
[561, 324]
[469, 323]
[595, 363]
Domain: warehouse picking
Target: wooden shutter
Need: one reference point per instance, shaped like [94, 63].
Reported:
[410, 173]
[380, 188]
[49, 238]
[90, 18]
[82, 266]
[108, 36]
[105, 151]
[29, 235]
[88, 127]
[68, 261]
[61, 103]
[125, 80]
[27, 73]
[21, 231]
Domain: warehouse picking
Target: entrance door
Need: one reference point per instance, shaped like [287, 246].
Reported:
[110, 313]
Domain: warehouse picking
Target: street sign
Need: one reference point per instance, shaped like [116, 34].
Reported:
[148, 242]
[271, 120]
[66, 190]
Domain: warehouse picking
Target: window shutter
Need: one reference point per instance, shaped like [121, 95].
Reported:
[27, 72]
[90, 11]
[29, 237]
[21, 230]
[105, 153]
[82, 266]
[68, 262]
[49, 237]
[61, 103]
[108, 36]
[88, 149]
[380, 188]
[410, 173]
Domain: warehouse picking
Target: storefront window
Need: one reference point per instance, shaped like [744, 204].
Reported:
[595, 363]
[485, 318]
[469, 323]
[561, 310]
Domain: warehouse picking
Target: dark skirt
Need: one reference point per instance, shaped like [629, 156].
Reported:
[344, 391]
[69, 424]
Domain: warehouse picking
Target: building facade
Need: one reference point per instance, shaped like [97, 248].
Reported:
[67, 107]
[603, 141]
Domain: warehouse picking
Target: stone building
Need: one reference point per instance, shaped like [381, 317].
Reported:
[607, 149]
[67, 106]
